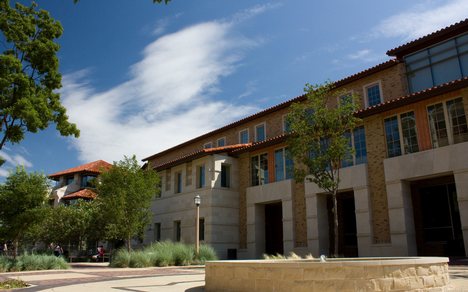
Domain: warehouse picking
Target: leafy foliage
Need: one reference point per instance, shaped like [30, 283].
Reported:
[13, 284]
[318, 140]
[22, 200]
[124, 198]
[29, 73]
[32, 262]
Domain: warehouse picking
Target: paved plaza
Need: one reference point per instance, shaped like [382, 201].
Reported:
[93, 277]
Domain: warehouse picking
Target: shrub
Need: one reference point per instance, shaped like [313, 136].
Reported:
[121, 259]
[183, 254]
[206, 253]
[140, 259]
[5, 264]
[12, 284]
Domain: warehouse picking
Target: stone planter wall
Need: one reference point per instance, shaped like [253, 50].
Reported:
[362, 274]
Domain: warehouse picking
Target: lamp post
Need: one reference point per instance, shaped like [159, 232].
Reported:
[197, 201]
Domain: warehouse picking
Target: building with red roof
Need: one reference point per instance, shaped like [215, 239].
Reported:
[403, 193]
[76, 182]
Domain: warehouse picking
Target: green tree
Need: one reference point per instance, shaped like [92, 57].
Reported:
[318, 141]
[124, 197]
[69, 224]
[29, 73]
[22, 199]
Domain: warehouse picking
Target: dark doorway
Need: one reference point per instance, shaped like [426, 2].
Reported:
[437, 218]
[274, 229]
[347, 233]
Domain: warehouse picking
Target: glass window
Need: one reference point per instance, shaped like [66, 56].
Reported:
[70, 180]
[392, 135]
[225, 175]
[438, 64]
[157, 231]
[208, 145]
[348, 159]
[373, 94]
[244, 136]
[359, 137]
[259, 168]
[88, 181]
[260, 133]
[279, 165]
[437, 125]
[178, 182]
[457, 120]
[177, 231]
[221, 142]
[201, 176]
[201, 234]
[408, 128]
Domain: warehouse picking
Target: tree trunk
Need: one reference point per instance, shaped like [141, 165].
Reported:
[335, 225]
[16, 248]
[129, 244]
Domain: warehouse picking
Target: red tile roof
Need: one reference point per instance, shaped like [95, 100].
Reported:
[414, 97]
[430, 39]
[92, 167]
[279, 106]
[81, 194]
[198, 154]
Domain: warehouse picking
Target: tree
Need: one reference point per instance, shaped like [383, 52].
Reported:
[318, 140]
[29, 74]
[68, 224]
[124, 196]
[22, 198]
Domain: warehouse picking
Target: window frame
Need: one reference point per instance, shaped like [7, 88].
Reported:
[205, 146]
[157, 231]
[228, 175]
[259, 165]
[400, 132]
[221, 139]
[240, 136]
[199, 176]
[178, 182]
[366, 97]
[448, 122]
[284, 119]
[285, 168]
[177, 230]
[256, 134]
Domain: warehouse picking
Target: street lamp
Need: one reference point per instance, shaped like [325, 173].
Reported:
[197, 201]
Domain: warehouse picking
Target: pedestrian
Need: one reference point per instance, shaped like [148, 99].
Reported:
[58, 251]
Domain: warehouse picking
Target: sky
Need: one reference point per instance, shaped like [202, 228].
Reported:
[139, 78]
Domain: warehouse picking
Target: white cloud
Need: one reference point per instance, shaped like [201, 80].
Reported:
[364, 55]
[12, 160]
[422, 19]
[168, 99]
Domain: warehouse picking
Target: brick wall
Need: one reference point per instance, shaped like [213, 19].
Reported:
[299, 215]
[244, 182]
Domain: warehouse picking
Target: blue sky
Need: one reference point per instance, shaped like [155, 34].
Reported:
[140, 78]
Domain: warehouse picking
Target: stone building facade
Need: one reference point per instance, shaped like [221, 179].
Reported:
[405, 192]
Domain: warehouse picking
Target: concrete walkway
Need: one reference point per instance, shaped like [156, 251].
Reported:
[93, 277]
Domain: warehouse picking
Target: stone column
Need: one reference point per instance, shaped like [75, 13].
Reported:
[401, 219]
[288, 226]
[461, 184]
[363, 220]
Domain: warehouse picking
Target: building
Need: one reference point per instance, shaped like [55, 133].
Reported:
[406, 192]
[76, 183]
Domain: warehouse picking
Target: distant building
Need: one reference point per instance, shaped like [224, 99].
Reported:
[77, 182]
[405, 192]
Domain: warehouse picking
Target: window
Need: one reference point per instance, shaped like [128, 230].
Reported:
[401, 135]
[284, 165]
[373, 94]
[259, 166]
[208, 145]
[177, 231]
[70, 180]
[225, 175]
[157, 232]
[244, 136]
[88, 181]
[286, 125]
[438, 64]
[456, 131]
[345, 99]
[221, 142]
[201, 234]
[357, 141]
[200, 176]
[260, 133]
[178, 182]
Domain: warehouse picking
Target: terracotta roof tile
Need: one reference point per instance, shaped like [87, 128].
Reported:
[279, 106]
[81, 194]
[414, 97]
[93, 167]
[430, 39]
[197, 154]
